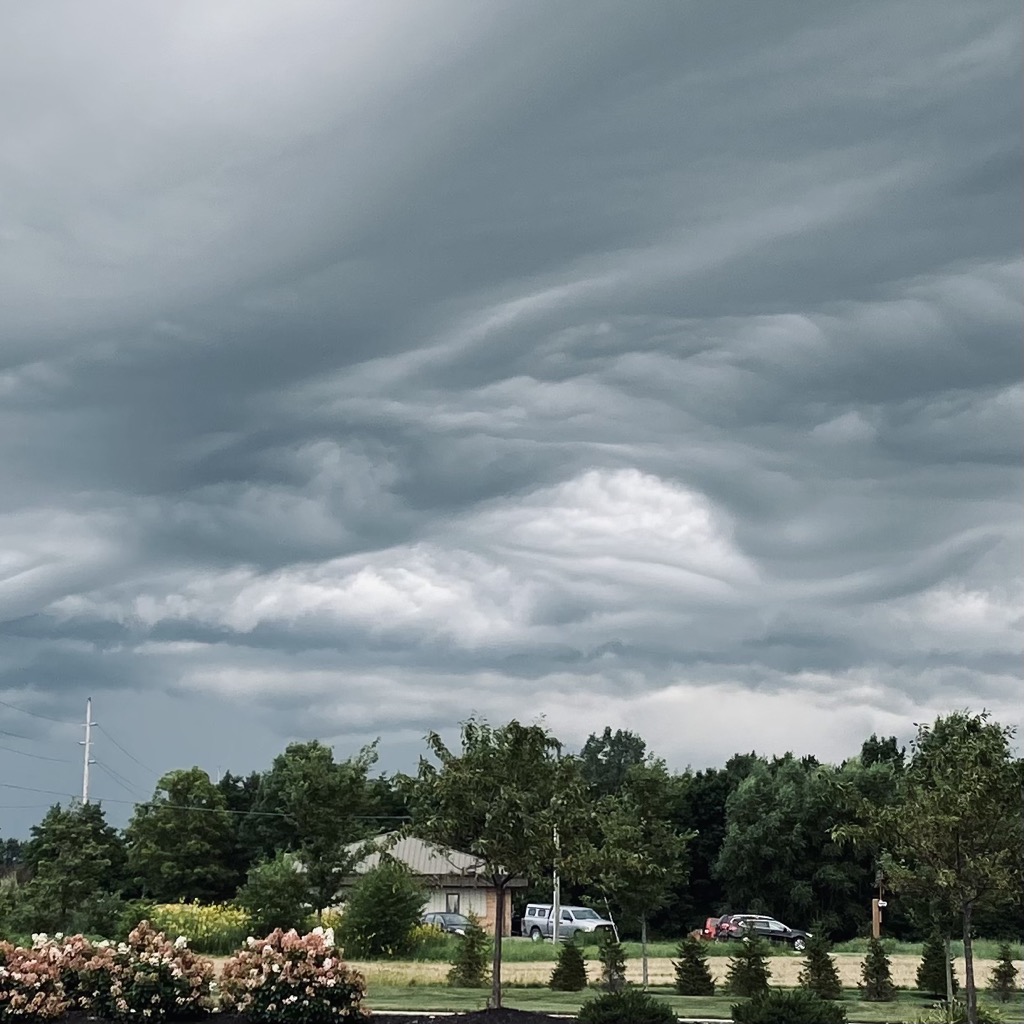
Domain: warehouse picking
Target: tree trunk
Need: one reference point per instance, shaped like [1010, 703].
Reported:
[494, 1003]
[643, 945]
[949, 976]
[969, 989]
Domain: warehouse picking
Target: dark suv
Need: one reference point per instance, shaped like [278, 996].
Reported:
[758, 926]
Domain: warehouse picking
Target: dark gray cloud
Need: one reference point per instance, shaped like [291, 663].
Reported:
[363, 367]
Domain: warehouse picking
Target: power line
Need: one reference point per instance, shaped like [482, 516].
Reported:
[30, 789]
[35, 714]
[38, 757]
[17, 735]
[119, 779]
[130, 756]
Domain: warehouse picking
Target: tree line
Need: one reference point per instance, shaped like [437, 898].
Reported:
[788, 836]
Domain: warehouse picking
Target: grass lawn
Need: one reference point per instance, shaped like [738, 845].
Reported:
[905, 1010]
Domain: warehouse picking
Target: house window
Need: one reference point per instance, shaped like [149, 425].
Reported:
[451, 903]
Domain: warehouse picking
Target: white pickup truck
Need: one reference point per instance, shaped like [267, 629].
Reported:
[580, 923]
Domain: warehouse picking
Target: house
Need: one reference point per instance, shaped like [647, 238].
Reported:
[455, 881]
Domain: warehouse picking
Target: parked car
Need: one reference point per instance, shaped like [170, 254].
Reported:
[575, 922]
[741, 926]
[455, 924]
[710, 930]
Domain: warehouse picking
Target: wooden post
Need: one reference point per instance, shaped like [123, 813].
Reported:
[876, 919]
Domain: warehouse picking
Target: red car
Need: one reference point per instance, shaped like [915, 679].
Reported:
[710, 930]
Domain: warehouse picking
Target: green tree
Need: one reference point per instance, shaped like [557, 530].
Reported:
[274, 896]
[180, 843]
[819, 974]
[748, 972]
[955, 832]
[469, 964]
[613, 964]
[1002, 981]
[74, 857]
[381, 910]
[876, 975]
[778, 856]
[240, 793]
[570, 973]
[311, 805]
[605, 760]
[500, 798]
[931, 971]
[796, 1006]
[639, 855]
[693, 977]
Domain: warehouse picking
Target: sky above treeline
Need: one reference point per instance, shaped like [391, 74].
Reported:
[368, 366]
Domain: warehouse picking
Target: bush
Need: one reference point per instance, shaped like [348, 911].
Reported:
[693, 978]
[288, 978]
[876, 975]
[819, 974]
[428, 942]
[798, 1006]
[748, 971]
[943, 1013]
[570, 973]
[628, 1006]
[931, 971]
[613, 964]
[1002, 982]
[209, 927]
[30, 985]
[274, 896]
[470, 966]
[381, 911]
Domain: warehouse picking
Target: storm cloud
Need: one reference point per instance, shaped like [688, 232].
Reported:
[368, 366]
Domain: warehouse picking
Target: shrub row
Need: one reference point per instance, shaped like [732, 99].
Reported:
[287, 977]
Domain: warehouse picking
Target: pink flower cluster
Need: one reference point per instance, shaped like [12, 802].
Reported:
[147, 978]
[288, 978]
[30, 985]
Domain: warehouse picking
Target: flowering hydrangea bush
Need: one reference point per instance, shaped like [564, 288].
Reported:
[147, 978]
[288, 978]
[30, 985]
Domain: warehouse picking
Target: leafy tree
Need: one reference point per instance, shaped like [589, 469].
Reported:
[639, 855]
[605, 760]
[240, 793]
[876, 975]
[931, 971]
[819, 974]
[570, 973]
[10, 853]
[1002, 981]
[311, 805]
[75, 857]
[381, 910]
[180, 844]
[613, 964]
[955, 831]
[693, 977]
[500, 799]
[778, 856]
[469, 964]
[274, 896]
[748, 972]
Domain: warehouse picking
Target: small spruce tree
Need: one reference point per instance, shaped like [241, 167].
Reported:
[819, 974]
[570, 973]
[1002, 982]
[470, 966]
[876, 975]
[613, 964]
[693, 978]
[931, 972]
[748, 971]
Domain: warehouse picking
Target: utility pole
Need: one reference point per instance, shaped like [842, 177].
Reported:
[87, 744]
[556, 895]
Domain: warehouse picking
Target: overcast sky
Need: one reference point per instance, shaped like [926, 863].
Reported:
[369, 365]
